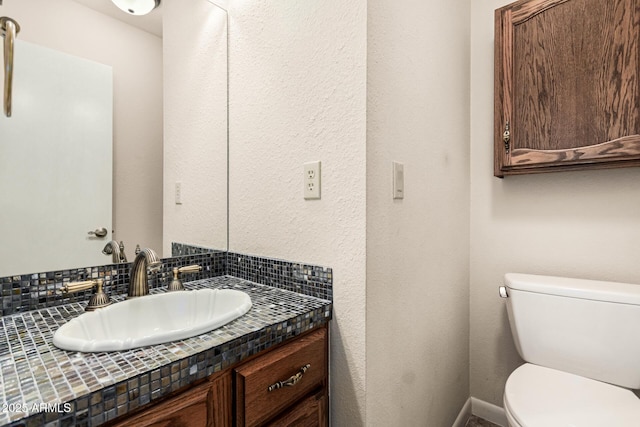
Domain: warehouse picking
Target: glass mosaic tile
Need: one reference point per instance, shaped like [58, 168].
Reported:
[39, 290]
[297, 277]
[98, 387]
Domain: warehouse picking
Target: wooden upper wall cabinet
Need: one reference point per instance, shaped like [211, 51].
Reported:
[566, 85]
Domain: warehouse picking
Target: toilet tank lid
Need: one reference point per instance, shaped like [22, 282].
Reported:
[624, 293]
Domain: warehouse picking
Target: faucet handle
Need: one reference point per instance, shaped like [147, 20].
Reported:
[176, 283]
[74, 287]
[190, 269]
[97, 300]
[122, 255]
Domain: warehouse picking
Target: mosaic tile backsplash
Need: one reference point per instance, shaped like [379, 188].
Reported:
[179, 249]
[303, 278]
[27, 292]
[88, 389]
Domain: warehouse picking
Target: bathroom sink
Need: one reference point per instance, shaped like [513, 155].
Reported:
[152, 319]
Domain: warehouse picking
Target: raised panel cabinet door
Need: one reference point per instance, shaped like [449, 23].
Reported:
[566, 85]
[190, 408]
[206, 405]
[310, 412]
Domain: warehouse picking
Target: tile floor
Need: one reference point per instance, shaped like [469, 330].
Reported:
[479, 422]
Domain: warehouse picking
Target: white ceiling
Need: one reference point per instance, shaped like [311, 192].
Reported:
[151, 22]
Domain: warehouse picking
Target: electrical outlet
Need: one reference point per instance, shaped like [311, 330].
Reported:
[312, 180]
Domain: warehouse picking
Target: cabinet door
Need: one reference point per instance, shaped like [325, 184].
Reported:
[190, 408]
[566, 85]
[206, 405]
[310, 412]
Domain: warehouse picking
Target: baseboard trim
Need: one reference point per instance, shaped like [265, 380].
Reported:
[464, 414]
[488, 411]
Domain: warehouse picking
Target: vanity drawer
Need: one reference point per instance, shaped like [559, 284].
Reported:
[256, 403]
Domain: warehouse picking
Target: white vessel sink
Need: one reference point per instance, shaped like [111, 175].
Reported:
[152, 319]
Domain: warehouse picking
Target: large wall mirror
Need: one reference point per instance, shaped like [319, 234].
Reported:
[140, 100]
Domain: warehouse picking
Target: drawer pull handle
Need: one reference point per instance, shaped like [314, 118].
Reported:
[293, 380]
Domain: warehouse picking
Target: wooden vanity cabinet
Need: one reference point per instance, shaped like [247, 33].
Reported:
[567, 86]
[240, 395]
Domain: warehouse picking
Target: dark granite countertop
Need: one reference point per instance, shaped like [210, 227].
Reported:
[43, 385]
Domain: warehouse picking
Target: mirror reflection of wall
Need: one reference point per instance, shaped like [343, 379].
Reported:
[195, 123]
[192, 75]
[136, 60]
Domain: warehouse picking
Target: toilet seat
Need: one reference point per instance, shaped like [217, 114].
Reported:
[536, 396]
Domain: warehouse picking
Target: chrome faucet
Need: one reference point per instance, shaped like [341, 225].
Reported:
[116, 251]
[138, 283]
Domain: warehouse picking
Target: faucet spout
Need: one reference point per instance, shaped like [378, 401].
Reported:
[138, 279]
[116, 250]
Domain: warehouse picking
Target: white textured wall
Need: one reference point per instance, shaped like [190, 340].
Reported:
[576, 224]
[136, 58]
[195, 123]
[297, 94]
[418, 248]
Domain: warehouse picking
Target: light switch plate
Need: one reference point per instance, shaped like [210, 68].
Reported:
[398, 180]
[178, 194]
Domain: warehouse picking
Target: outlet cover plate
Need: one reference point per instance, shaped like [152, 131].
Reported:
[311, 180]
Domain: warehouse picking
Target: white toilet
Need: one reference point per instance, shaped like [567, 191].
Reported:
[581, 342]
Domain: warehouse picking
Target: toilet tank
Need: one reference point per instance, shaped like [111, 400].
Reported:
[586, 327]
